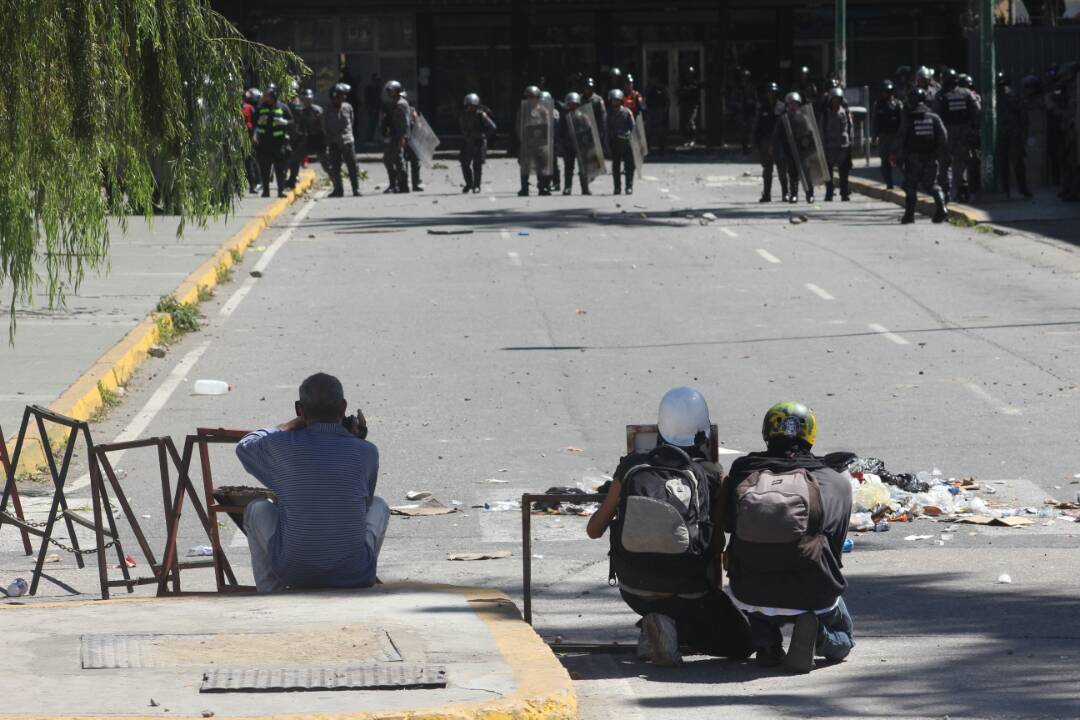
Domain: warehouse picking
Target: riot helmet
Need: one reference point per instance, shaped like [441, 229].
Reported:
[964, 80]
[923, 75]
[392, 87]
[903, 71]
[772, 88]
[793, 97]
[253, 95]
[341, 90]
[789, 423]
[949, 78]
[271, 89]
[615, 96]
[531, 92]
[615, 75]
[836, 92]
[472, 100]
[1002, 80]
[307, 96]
[572, 98]
[628, 80]
[887, 87]
[917, 97]
[682, 417]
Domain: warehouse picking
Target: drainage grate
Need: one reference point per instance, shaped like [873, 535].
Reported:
[375, 676]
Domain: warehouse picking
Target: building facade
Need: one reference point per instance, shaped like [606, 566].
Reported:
[442, 49]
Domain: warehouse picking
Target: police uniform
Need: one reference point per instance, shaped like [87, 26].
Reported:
[765, 123]
[337, 125]
[887, 119]
[476, 127]
[272, 125]
[396, 122]
[919, 145]
[959, 110]
[620, 127]
[1012, 127]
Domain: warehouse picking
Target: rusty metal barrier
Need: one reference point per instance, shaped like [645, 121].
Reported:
[9, 482]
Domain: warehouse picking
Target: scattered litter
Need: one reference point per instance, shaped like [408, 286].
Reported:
[255, 273]
[708, 216]
[417, 495]
[449, 231]
[212, 387]
[849, 545]
[1011, 521]
[129, 561]
[546, 507]
[425, 507]
[574, 449]
[17, 588]
[260, 248]
[881, 526]
[581, 311]
[538, 557]
[52, 558]
[493, 555]
[795, 220]
[523, 233]
[146, 517]
[156, 351]
[208, 713]
[493, 481]
[201, 551]
[1004, 579]
[918, 537]
[154, 703]
[501, 505]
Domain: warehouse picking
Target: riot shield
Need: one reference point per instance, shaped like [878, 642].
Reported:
[423, 141]
[804, 139]
[586, 139]
[536, 131]
[639, 146]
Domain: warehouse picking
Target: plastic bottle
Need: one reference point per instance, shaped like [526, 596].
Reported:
[881, 526]
[17, 588]
[212, 387]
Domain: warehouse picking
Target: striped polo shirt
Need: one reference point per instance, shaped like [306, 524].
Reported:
[323, 477]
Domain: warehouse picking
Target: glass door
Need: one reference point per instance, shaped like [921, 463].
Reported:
[676, 72]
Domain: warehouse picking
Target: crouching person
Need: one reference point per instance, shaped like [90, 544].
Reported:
[788, 516]
[664, 544]
[326, 528]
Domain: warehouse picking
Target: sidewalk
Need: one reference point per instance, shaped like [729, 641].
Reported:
[399, 650]
[59, 349]
[1044, 214]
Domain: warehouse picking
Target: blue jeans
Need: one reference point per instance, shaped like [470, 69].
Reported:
[836, 634]
[261, 521]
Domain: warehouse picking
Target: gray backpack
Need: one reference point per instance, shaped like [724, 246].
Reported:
[774, 509]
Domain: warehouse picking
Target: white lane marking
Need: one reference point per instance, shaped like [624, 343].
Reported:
[887, 334]
[981, 393]
[515, 259]
[768, 256]
[728, 232]
[819, 291]
[153, 406]
[242, 292]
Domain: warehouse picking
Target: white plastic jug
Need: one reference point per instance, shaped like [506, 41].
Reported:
[212, 387]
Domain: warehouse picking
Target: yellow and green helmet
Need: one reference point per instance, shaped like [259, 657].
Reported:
[790, 420]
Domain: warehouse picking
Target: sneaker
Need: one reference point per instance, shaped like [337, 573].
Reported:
[663, 638]
[644, 648]
[800, 653]
[629, 190]
[476, 188]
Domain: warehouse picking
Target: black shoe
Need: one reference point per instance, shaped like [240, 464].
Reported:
[337, 194]
[939, 216]
[586, 191]
[769, 657]
[356, 192]
[828, 197]
[618, 191]
[629, 190]
[403, 189]
[800, 653]
[566, 191]
[845, 198]
[766, 198]
[282, 193]
[793, 199]
[908, 219]
[389, 189]
[417, 187]
[544, 191]
[466, 189]
[810, 199]
[523, 192]
[476, 188]
[265, 193]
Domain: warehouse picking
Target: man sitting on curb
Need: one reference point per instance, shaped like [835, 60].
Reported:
[664, 542]
[326, 527]
[788, 517]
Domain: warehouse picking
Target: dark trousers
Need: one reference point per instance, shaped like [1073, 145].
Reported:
[347, 154]
[885, 142]
[1012, 157]
[414, 166]
[711, 625]
[251, 167]
[921, 171]
[688, 116]
[622, 163]
[569, 161]
[296, 157]
[835, 632]
[838, 161]
[271, 157]
[538, 164]
[472, 162]
[766, 158]
[656, 121]
[394, 160]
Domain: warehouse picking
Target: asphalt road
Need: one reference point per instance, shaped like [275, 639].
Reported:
[507, 353]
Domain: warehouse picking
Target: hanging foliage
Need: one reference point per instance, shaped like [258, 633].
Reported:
[110, 108]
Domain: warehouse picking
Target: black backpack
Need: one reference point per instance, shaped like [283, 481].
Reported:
[661, 536]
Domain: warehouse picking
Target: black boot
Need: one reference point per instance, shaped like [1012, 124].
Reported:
[524, 191]
[477, 175]
[466, 172]
[828, 192]
[909, 211]
[939, 208]
[544, 185]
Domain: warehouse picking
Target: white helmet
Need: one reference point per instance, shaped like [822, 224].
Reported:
[683, 414]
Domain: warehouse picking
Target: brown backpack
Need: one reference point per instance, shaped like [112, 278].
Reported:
[780, 508]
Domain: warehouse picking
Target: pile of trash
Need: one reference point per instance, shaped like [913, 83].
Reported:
[880, 497]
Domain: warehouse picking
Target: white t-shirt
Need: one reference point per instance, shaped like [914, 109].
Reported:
[775, 612]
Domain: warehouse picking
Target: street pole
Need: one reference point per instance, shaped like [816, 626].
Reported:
[988, 65]
[840, 41]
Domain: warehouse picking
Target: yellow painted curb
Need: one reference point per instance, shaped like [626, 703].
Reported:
[877, 190]
[82, 399]
[543, 688]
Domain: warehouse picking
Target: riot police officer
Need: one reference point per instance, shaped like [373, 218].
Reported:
[1012, 129]
[337, 127]
[787, 148]
[535, 133]
[555, 181]
[632, 98]
[919, 145]
[589, 95]
[689, 104]
[887, 117]
[395, 129]
[273, 121]
[836, 132]
[410, 155]
[620, 129]
[924, 80]
[764, 128]
[959, 110]
[568, 146]
[746, 101]
[476, 127]
[311, 120]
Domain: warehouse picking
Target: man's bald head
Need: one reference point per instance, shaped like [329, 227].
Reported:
[322, 399]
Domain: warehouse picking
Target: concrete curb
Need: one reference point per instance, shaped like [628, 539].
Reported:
[543, 688]
[112, 369]
[871, 188]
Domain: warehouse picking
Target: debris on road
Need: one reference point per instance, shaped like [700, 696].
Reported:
[129, 561]
[424, 508]
[256, 273]
[414, 495]
[575, 449]
[52, 558]
[493, 481]
[493, 555]
[1004, 579]
[201, 551]
[449, 231]
[849, 545]
[156, 351]
[500, 505]
[584, 509]
[17, 588]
